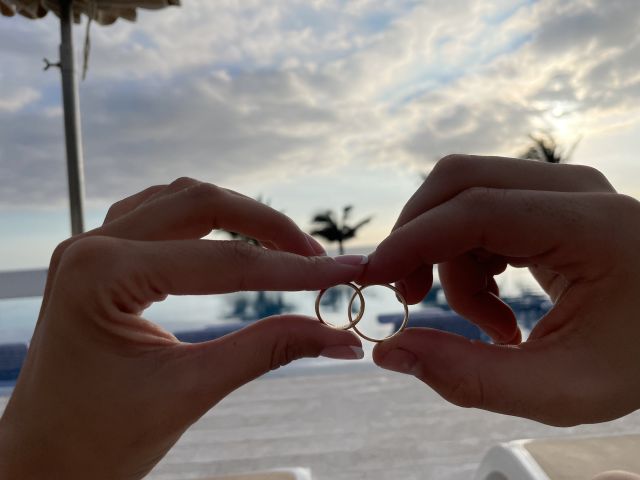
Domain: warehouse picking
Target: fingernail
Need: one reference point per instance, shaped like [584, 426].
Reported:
[352, 259]
[400, 361]
[343, 352]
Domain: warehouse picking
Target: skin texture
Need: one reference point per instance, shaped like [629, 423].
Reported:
[474, 216]
[105, 393]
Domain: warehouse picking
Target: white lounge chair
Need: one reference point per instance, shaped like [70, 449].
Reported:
[560, 458]
[282, 474]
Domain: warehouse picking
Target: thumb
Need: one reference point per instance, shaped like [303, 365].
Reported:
[229, 362]
[525, 380]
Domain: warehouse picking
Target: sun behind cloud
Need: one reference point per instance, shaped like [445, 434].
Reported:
[262, 96]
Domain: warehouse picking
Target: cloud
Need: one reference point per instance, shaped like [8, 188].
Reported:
[12, 102]
[255, 91]
[586, 27]
[578, 65]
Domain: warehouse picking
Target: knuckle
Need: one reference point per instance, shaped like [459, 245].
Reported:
[243, 252]
[476, 209]
[479, 195]
[59, 251]
[183, 182]
[243, 255]
[610, 212]
[450, 166]
[284, 223]
[285, 349]
[594, 178]
[206, 193]
[150, 194]
[278, 227]
[622, 213]
[114, 210]
[285, 354]
[467, 392]
[310, 269]
[627, 205]
[91, 254]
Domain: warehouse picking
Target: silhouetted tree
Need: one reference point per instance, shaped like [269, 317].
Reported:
[255, 305]
[336, 297]
[545, 148]
[333, 230]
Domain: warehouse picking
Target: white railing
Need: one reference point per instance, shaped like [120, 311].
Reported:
[22, 283]
[17, 284]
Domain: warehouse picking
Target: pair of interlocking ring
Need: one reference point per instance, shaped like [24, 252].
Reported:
[353, 322]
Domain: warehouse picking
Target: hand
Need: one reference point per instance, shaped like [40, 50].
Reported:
[475, 215]
[104, 393]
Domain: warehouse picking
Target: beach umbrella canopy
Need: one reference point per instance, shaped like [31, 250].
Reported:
[104, 12]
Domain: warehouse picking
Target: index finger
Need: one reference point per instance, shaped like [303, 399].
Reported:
[152, 270]
[529, 225]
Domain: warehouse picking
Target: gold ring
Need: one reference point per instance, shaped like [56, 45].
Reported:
[400, 298]
[353, 322]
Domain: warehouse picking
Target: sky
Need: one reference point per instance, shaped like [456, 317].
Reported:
[311, 104]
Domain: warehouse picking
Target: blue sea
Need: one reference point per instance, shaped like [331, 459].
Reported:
[18, 316]
[193, 313]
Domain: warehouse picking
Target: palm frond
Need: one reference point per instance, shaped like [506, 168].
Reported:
[330, 234]
[324, 217]
[329, 229]
[545, 149]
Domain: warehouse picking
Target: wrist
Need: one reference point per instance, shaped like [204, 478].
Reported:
[12, 461]
[27, 455]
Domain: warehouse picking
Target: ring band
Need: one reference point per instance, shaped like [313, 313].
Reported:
[353, 322]
[400, 298]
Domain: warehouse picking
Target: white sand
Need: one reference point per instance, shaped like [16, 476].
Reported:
[349, 422]
[356, 422]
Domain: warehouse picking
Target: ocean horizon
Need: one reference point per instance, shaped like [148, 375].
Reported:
[181, 313]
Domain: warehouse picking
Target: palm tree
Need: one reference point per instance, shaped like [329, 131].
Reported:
[249, 306]
[333, 231]
[546, 149]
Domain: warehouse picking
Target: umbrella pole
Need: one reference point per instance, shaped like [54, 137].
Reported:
[73, 135]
